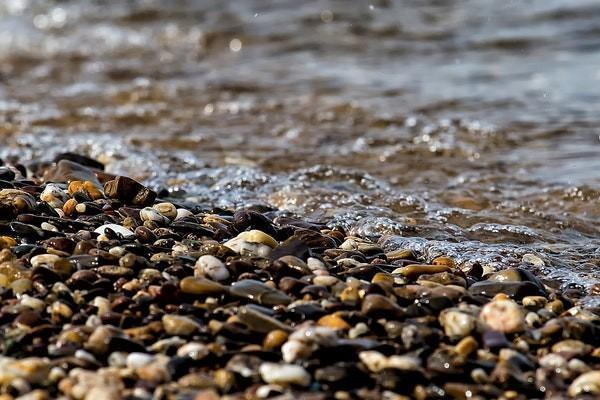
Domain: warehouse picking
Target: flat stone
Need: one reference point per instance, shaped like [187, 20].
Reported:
[129, 191]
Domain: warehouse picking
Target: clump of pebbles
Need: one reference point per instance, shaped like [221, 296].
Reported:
[110, 290]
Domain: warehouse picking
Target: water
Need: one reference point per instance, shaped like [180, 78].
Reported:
[467, 128]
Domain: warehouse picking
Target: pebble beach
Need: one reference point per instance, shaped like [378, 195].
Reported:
[301, 199]
[109, 291]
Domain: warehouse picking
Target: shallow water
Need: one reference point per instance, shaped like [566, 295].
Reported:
[459, 127]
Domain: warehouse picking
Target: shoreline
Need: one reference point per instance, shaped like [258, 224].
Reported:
[109, 292]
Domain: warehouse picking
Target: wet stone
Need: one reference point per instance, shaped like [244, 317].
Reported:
[259, 292]
[516, 290]
[129, 191]
[201, 286]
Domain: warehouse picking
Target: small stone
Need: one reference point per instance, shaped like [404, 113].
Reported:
[247, 248]
[166, 209]
[183, 213]
[333, 321]
[275, 339]
[587, 383]
[456, 323]
[294, 350]
[443, 260]
[176, 325]
[212, 267]
[193, 350]
[256, 236]
[378, 306]
[373, 360]
[6, 242]
[358, 330]
[284, 374]
[503, 316]
[86, 187]
[116, 228]
[150, 214]
[48, 227]
[315, 264]
[136, 360]
[534, 302]
[325, 280]
[14, 202]
[54, 196]
[258, 321]
[129, 191]
[44, 259]
[259, 292]
[413, 271]
[70, 207]
[533, 260]
[20, 286]
[572, 347]
[68, 171]
[201, 286]
[400, 254]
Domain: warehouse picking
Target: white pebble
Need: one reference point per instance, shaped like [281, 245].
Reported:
[193, 350]
[117, 228]
[212, 267]
[150, 214]
[182, 213]
[315, 264]
[503, 315]
[48, 227]
[44, 259]
[244, 247]
[137, 359]
[294, 350]
[284, 374]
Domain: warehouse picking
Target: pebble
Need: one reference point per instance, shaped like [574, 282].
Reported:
[177, 325]
[533, 260]
[183, 213]
[137, 360]
[116, 228]
[54, 196]
[129, 191]
[275, 339]
[456, 323]
[256, 236]
[150, 214]
[503, 315]
[44, 259]
[333, 321]
[193, 350]
[378, 306]
[588, 383]
[284, 374]
[415, 270]
[201, 286]
[166, 209]
[258, 292]
[244, 247]
[211, 267]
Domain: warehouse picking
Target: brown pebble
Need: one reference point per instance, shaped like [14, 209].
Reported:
[415, 270]
[274, 339]
[333, 321]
